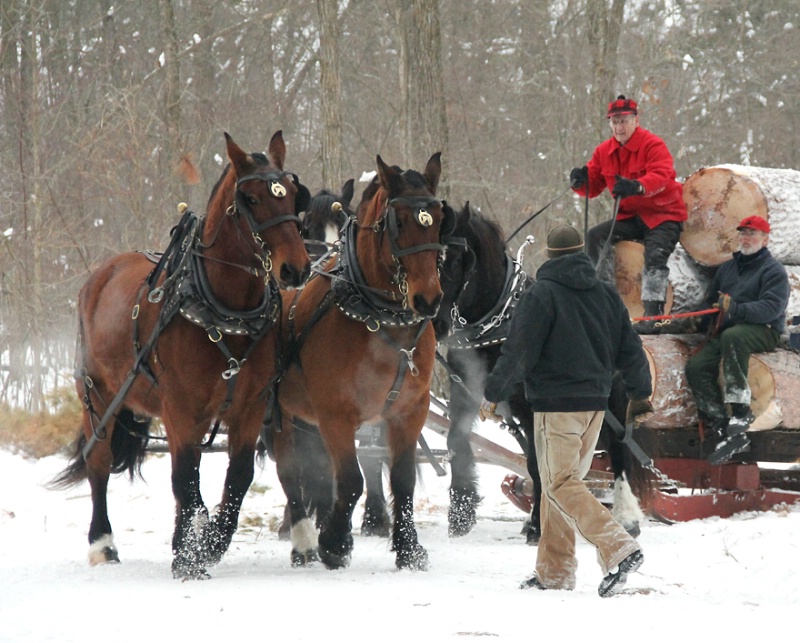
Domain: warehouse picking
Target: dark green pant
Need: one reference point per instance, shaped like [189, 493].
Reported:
[732, 348]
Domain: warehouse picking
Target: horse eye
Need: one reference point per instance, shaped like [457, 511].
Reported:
[251, 200]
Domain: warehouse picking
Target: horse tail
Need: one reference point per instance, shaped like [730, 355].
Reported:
[129, 441]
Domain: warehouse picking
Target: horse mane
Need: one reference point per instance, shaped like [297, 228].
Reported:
[369, 203]
[488, 234]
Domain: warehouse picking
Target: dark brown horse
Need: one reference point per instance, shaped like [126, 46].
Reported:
[361, 349]
[193, 341]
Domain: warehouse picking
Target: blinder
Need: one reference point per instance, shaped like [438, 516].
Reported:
[277, 189]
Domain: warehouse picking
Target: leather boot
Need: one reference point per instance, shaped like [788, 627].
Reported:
[649, 327]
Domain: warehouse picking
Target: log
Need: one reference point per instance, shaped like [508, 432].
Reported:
[628, 264]
[772, 378]
[689, 281]
[672, 400]
[719, 197]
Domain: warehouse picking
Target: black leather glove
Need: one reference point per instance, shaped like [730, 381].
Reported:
[626, 187]
[578, 177]
[639, 411]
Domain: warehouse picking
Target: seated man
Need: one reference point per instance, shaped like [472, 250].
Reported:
[751, 291]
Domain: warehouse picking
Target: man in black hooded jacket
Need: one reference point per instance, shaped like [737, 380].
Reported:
[569, 333]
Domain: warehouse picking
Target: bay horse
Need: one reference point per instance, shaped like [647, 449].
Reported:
[195, 342]
[481, 283]
[360, 349]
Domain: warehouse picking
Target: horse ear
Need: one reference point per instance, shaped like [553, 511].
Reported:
[348, 189]
[467, 212]
[433, 170]
[277, 150]
[237, 156]
[389, 177]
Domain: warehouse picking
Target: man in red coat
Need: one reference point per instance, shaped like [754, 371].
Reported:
[636, 166]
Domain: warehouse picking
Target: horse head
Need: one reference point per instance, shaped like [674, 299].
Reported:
[325, 216]
[407, 219]
[473, 270]
[268, 200]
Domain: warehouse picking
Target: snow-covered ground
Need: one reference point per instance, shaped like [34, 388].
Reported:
[712, 577]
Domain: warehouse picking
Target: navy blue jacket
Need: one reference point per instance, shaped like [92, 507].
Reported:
[568, 334]
[758, 286]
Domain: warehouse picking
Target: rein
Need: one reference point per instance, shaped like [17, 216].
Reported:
[534, 215]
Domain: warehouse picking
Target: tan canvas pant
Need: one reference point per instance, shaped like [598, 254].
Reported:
[565, 444]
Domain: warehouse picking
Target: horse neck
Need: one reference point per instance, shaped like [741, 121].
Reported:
[484, 288]
[229, 252]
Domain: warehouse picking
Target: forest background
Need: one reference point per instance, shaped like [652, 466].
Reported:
[106, 110]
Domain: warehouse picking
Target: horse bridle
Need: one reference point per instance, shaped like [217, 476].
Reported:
[276, 188]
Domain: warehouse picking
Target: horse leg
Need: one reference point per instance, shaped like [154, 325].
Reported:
[402, 476]
[123, 448]
[464, 496]
[336, 538]
[101, 537]
[626, 509]
[302, 531]
[521, 410]
[218, 532]
[376, 520]
[191, 515]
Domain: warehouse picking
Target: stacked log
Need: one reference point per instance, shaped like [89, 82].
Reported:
[772, 378]
[717, 199]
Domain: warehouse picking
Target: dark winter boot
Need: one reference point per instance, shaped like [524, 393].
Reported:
[649, 326]
[741, 419]
[615, 581]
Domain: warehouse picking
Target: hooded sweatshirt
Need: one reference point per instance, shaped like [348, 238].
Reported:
[569, 332]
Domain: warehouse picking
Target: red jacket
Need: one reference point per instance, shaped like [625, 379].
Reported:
[644, 157]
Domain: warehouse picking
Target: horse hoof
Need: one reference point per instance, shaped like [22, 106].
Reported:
[102, 551]
[334, 561]
[184, 574]
[303, 558]
[381, 529]
[462, 516]
[633, 529]
[415, 559]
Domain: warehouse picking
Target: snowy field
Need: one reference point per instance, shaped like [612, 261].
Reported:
[712, 577]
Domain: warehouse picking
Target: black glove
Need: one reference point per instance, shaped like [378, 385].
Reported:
[578, 177]
[639, 411]
[626, 187]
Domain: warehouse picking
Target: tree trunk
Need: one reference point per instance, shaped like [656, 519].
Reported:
[425, 116]
[719, 197]
[331, 93]
[172, 142]
[605, 26]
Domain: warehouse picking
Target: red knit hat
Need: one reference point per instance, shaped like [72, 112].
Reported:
[622, 106]
[754, 222]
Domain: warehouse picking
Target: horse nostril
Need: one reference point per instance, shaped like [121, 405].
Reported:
[291, 277]
[426, 308]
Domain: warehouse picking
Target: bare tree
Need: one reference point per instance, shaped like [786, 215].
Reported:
[330, 93]
[425, 118]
